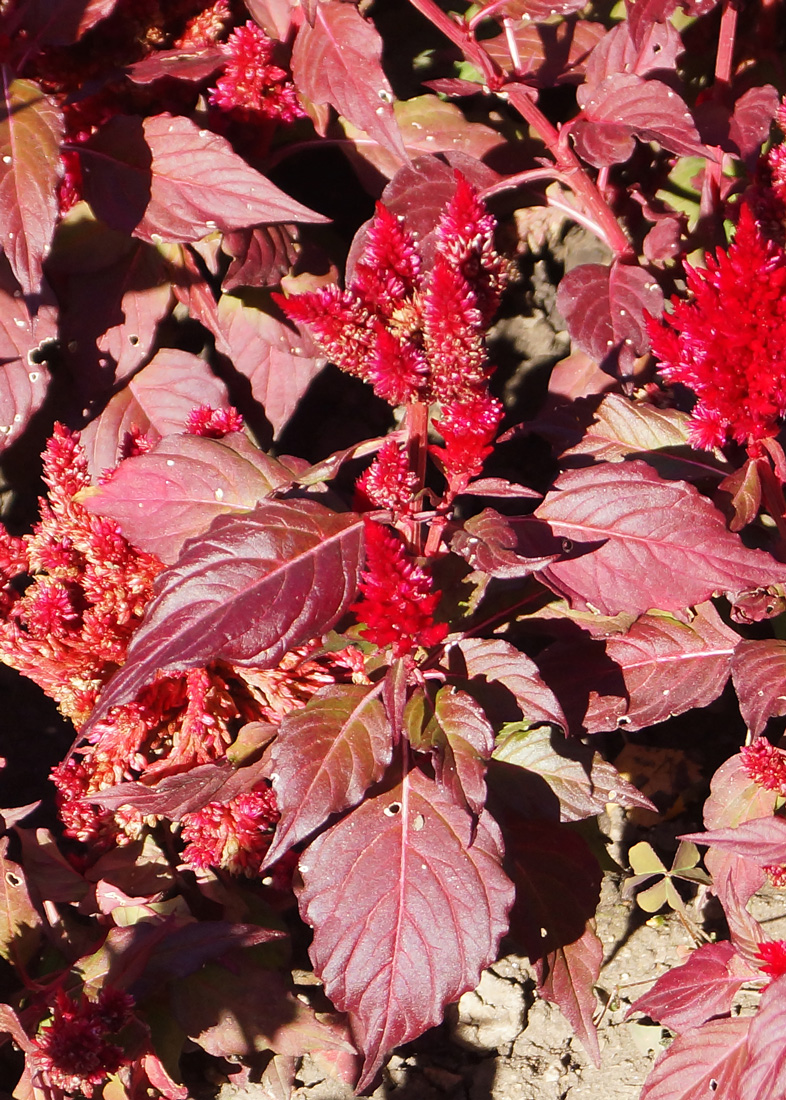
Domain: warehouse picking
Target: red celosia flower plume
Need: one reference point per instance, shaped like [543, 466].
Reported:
[728, 341]
[399, 602]
[765, 764]
[235, 835]
[414, 335]
[468, 429]
[773, 956]
[251, 84]
[388, 482]
[76, 1053]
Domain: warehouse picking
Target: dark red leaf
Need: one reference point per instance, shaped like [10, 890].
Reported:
[765, 1072]
[337, 61]
[236, 1011]
[548, 54]
[708, 1060]
[501, 666]
[557, 885]
[20, 924]
[180, 951]
[406, 911]
[459, 735]
[687, 996]
[325, 758]
[23, 338]
[193, 65]
[668, 667]
[658, 48]
[763, 840]
[488, 543]
[155, 402]
[571, 974]
[580, 778]
[279, 362]
[624, 106]
[186, 792]
[164, 179]
[254, 587]
[605, 307]
[752, 119]
[538, 10]
[31, 129]
[176, 490]
[59, 24]
[759, 674]
[259, 256]
[642, 542]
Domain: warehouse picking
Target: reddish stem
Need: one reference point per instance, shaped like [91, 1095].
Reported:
[417, 451]
[724, 61]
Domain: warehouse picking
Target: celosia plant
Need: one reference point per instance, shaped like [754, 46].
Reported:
[350, 677]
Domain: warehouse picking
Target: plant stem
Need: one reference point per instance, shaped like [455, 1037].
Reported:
[724, 59]
[417, 451]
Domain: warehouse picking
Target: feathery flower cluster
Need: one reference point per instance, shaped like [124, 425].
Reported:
[206, 27]
[773, 956]
[414, 336]
[728, 342]
[399, 602]
[251, 84]
[76, 1054]
[213, 423]
[765, 764]
[234, 835]
[70, 628]
[388, 482]
[468, 428]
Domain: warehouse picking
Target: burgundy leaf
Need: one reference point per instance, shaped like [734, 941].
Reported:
[501, 666]
[461, 738]
[587, 681]
[752, 119]
[20, 924]
[642, 542]
[658, 48]
[279, 362]
[624, 106]
[155, 402]
[668, 667]
[735, 797]
[743, 490]
[164, 179]
[192, 65]
[274, 16]
[759, 674]
[406, 911]
[557, 885]
[548, 54]
[572, 972]
[687, 996]
[708, 1060]
[325, 758]
[254, 587]
[59, 24]
[181, 951]
[538, 10]
[499, 487]
[621, 428]
[184, 793]
[176, 490]
[605, 307]
[580, 778]
[111, 309]
[31, 129]
[23, 338]
[765, 1072]
[259, 256]
[235, 1012]
[763, 840]
[487, 542]
[337, 61]
[427, 125]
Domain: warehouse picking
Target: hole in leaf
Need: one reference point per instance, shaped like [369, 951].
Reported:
[393, 809]
[713, 1085]
[567, 546]
[418, 822]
